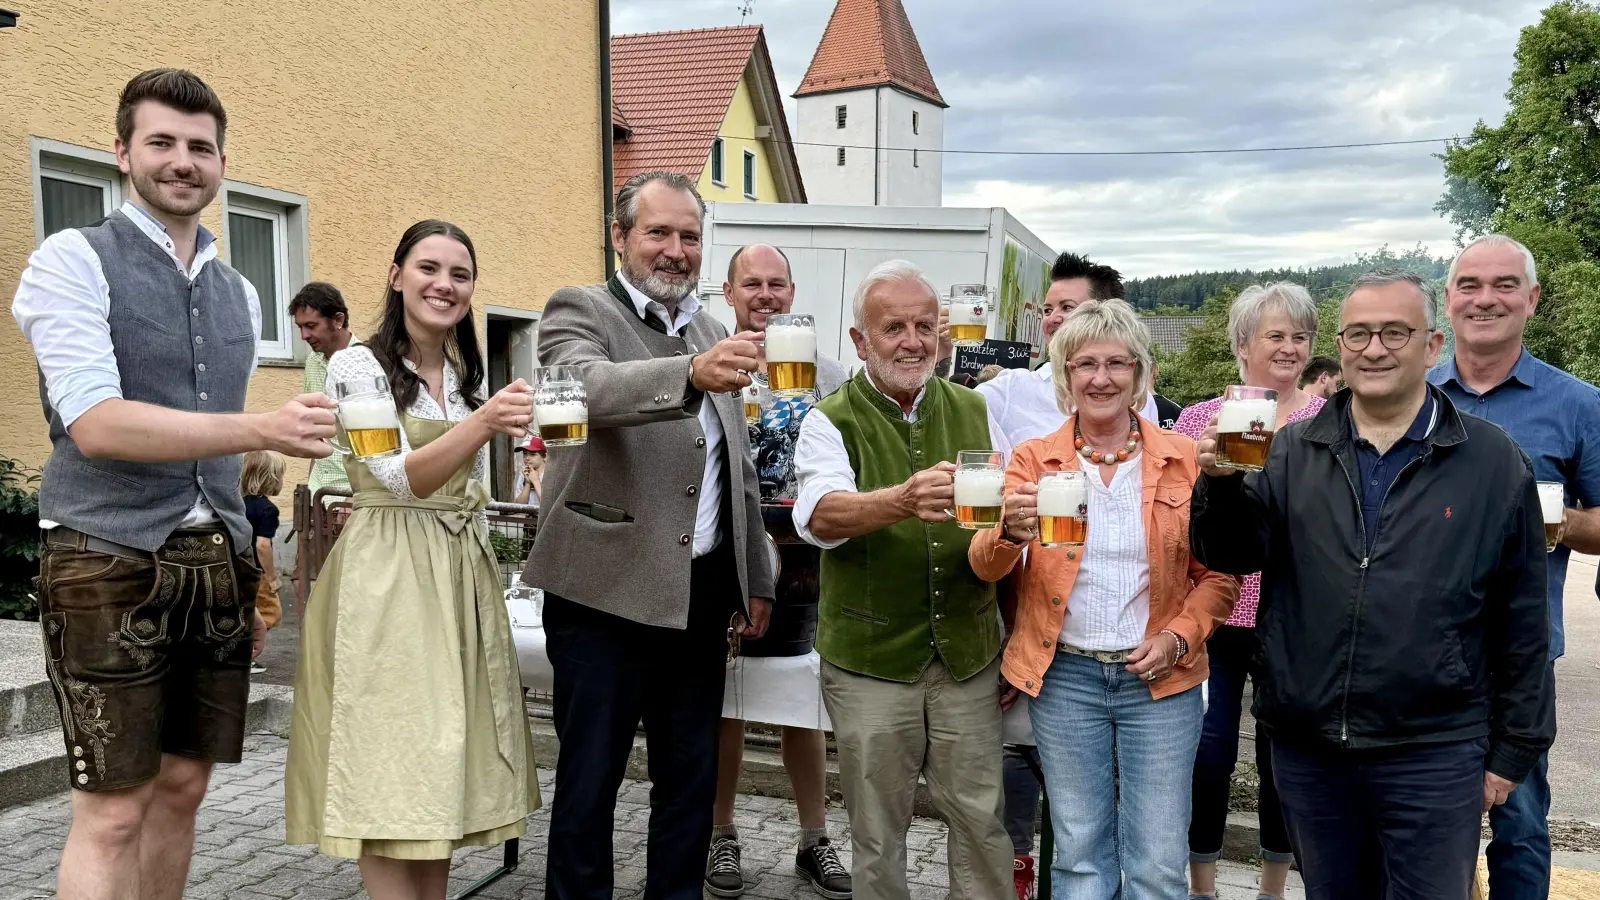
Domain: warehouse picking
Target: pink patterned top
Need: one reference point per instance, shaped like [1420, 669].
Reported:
[1192, 421]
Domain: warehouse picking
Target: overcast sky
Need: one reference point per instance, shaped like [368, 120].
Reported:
[1164, 75]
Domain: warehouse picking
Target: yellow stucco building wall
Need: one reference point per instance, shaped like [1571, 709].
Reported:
[738, 131]
[380, 114]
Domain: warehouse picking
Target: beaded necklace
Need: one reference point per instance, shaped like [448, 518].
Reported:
[1106, 459]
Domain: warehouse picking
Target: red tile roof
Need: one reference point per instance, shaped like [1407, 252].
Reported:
[672, 89]
[869, 43]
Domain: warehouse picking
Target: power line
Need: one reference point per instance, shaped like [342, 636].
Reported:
[1190, 152]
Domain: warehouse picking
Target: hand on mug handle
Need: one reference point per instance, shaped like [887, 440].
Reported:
[509, 411]
[1206, 447]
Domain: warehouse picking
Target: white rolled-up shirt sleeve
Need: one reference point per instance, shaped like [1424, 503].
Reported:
[821, 466]
[61, 305]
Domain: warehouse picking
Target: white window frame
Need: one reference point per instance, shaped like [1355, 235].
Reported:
[718, 163]
[291, 240]
[748, 174]
[841, 115]
[80, 165]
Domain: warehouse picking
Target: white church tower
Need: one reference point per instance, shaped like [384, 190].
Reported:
[870, 121]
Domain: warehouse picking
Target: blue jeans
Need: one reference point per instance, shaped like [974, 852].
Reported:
[1128, 824]
[1519, 855]
[1393, 823]
[1231, 651]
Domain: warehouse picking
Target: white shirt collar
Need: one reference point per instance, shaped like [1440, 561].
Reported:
[1044, 373]
[915, 404]
[687, 307]
[153, 229]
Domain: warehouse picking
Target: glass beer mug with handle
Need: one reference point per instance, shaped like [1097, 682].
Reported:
[791, 344]
[1063, 508]
[1245, 424]
[980, 484]
[1552, 503]
[560, 406]
[367, 418]
[970, 306]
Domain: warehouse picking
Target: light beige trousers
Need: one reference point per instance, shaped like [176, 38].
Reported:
[944, 730]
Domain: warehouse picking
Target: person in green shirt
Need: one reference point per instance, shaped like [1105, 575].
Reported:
[324, 322]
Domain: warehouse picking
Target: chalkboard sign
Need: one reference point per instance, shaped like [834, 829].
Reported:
[1005, 354]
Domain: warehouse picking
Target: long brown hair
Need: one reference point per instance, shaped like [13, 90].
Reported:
[392, 344]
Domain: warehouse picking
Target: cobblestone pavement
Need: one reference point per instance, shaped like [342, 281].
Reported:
[240, 854]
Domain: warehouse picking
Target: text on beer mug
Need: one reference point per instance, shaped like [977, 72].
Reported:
[970, 306]
[1245, 424]
[367, 417]
[1063, 508]
[980, 483]
[560, 406]
[1552, 503]
[791, 345]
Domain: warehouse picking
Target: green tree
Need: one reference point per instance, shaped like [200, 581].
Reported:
[1206, 365]
[1536, 177]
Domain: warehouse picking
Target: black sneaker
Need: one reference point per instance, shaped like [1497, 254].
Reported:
[820, 865]
[724, 878]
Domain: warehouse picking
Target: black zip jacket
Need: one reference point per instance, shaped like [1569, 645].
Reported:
[1440, 633]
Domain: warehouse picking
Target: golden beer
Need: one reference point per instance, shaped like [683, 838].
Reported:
[969, 320]
[979, 496]
[370, 442]
[791, 377]
[1063, 506]
[752, 412]
[968, 334]
[1552, 503]
[562, 424]
[1244, 429]
[564, 434]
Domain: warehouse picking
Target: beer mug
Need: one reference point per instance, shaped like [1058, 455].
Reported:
[1063, 508]
[980, 482]
[1552, 502]
[560, 406]
[970, 305]
[752, 403]
[367, 417]
[791, 343]
[1245, 424]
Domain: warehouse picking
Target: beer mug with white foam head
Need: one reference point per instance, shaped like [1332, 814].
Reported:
[980, 484]
[752, 403]
[1063, 508]
[1245, 424]
[367, 416]
[1552, 503]
[560, 406]
[791, 344]
[970, 308]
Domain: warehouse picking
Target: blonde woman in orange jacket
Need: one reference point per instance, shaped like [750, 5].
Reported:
[1110, 635]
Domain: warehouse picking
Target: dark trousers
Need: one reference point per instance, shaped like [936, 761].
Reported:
[1020, 779]
[1387, 824]
[1519, 854]
[1232, 651]
[609, 674]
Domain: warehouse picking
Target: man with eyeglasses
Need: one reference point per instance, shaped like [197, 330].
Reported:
[1403, 621]
[1491, 290]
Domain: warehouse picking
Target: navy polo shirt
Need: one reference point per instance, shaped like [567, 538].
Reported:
[1555, 419]
[1379, 470]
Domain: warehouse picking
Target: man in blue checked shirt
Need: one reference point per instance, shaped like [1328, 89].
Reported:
[1491, 290]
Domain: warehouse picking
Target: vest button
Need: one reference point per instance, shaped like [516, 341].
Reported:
[937, 570]
[200, 478]
[935, 545]
[198, 340]
[200, 368]
[195, 312]
[684, 539]
[204, 396]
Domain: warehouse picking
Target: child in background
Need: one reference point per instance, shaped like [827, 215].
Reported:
[259, 480]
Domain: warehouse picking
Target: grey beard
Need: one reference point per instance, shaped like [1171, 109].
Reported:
[665, 292]
[881, 370]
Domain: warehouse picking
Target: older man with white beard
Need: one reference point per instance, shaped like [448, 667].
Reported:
[907, 633]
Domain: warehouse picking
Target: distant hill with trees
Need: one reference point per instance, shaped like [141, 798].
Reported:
[1182, 294]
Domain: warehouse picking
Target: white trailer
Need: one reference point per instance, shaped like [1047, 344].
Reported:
[831, 248]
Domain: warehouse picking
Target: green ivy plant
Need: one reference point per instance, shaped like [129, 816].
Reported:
[19, 539]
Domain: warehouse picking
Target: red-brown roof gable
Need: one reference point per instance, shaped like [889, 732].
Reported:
[869, 43]
[672, 89]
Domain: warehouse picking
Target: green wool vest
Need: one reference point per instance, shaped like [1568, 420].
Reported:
[894, 599]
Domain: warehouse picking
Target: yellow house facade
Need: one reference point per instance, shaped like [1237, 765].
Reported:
[347, 123]
[722, 180]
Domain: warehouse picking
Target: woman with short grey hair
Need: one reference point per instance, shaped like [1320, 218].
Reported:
[1271, 329]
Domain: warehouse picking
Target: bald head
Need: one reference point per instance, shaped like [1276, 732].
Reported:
[759, 285]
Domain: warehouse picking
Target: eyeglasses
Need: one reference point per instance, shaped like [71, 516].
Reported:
[1113, 367]
[1357, 337]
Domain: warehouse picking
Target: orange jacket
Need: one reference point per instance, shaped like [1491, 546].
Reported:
[1185, 597]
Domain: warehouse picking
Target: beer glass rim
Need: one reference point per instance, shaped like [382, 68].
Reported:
[557, 374]
[1248, 392]
[361, 386]
[791, 319]
[978, 459]
[1069, 474]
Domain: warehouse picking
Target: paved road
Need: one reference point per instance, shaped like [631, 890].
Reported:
[1575, 760]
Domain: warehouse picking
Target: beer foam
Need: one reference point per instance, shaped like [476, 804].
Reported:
[367, 413]
[1062, 496]
[1237, 415]
[1551, 502]
[979, 487]
[561, 414]
[791, 343]
[968, 312]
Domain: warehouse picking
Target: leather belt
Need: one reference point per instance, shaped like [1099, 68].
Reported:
[1105, 656]
[63, 536]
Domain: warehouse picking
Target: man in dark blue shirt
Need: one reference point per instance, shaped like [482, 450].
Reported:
[1491, 290]
[1378, 469]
